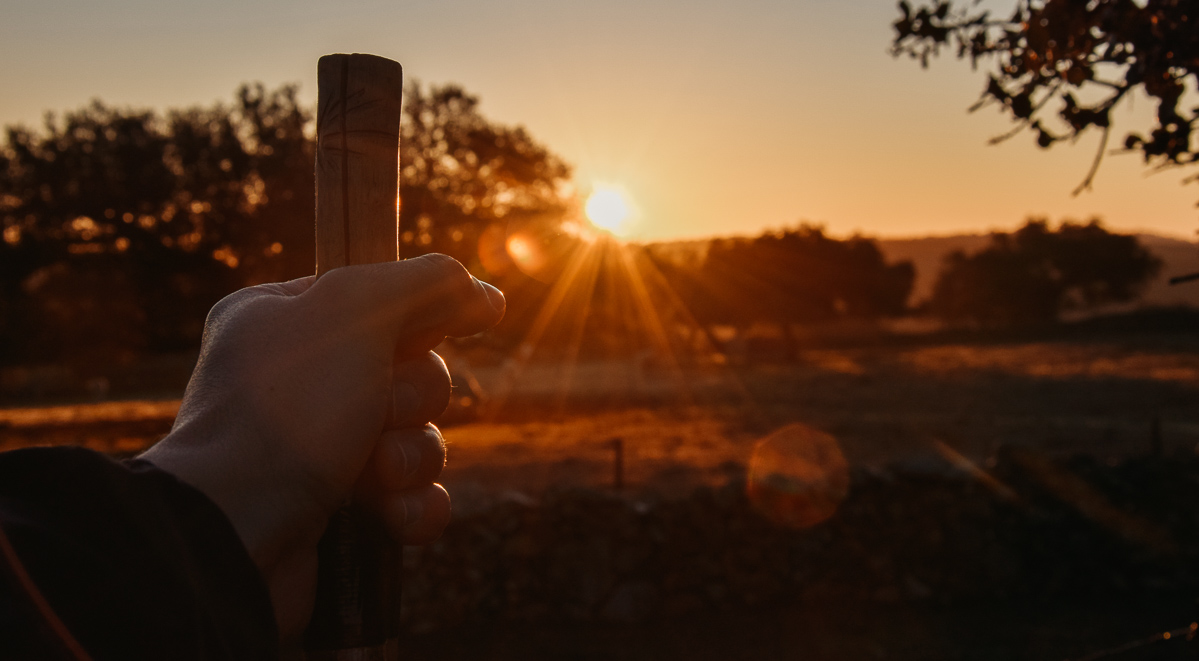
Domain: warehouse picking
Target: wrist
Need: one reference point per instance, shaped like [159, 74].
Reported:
[268, 521]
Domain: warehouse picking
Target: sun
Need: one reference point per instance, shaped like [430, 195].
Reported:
[609, 209]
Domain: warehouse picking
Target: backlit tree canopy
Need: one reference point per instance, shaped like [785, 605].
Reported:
[1035, 273]
[797, 276]
[462, 172]
[1060, 67]
[174, 210]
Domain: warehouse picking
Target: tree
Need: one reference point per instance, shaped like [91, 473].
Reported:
[1063, 66]
[798, 276]
[462, 173]
[181, 208]
[1033, 274]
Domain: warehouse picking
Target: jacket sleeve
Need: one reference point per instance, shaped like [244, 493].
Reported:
[108, 560]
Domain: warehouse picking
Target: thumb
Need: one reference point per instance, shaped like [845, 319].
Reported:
[414, 300]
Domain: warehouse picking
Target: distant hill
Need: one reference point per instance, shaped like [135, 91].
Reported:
[1179, 257]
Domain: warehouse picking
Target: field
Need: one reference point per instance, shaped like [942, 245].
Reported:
[921, 424]
[884, 405]
[547, 425]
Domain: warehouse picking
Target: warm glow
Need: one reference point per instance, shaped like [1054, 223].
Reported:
[521, 250]
[798, 476]
[608, 209]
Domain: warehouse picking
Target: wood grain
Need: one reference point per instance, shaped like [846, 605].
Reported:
[356, 615]
[357, 160]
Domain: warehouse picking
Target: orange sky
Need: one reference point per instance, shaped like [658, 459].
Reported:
[717, 117]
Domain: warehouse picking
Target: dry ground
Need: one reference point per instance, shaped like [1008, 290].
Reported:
[545, 425]
[553, 424]
[884, 405]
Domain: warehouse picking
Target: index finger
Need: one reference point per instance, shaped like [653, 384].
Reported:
[419, 301]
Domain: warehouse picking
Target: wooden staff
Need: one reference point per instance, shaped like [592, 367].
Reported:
[356, 616]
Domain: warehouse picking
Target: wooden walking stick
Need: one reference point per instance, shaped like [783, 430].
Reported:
[356, 616]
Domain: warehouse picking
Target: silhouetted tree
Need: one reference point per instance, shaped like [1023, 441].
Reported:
[1033, 274]
[180, 209]
[462, 173]
[1063, 66]
[176, 210]
[794, 277]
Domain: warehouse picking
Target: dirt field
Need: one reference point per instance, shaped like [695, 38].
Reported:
[544, 427]
[549, 424]
[883, 405]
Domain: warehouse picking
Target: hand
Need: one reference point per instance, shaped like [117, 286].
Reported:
[310, 390]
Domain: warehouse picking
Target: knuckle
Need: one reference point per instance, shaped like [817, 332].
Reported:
[230, 310]
[438, 453]
[336, 284]
[432, 453]
[225, 307]
[338, 292]
[439, 260]
[451, 271]
[437, 367]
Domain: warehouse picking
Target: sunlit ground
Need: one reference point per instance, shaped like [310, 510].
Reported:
[121, 427]
[880, 404]
[1058, 361]
[870, 457]
[919, 411]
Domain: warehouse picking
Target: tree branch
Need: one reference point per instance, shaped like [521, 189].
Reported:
[1086, 183]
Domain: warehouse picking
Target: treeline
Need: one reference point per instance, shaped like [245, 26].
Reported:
[787, 279]
[1033, 275]
[801, 277]
[122, 227]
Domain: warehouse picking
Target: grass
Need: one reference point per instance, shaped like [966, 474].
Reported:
[547, 425]
[885, 406]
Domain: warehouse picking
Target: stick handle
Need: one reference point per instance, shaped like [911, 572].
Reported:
[356, 615]
[357, 160]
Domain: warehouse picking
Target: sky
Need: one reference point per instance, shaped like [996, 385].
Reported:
[714, 117]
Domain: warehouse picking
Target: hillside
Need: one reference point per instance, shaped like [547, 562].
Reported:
[926, 253]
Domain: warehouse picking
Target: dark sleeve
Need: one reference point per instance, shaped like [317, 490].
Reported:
[134, 564]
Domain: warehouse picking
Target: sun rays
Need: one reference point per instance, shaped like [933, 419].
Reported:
[608, 304]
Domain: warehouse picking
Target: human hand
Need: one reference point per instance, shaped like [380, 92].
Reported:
[310, 390]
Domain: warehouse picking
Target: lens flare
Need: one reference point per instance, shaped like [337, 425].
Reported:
[493, 251]
[538, 247]
[523, 251]
[798, 476]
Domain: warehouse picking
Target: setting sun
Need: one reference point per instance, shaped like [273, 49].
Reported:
[608, 209]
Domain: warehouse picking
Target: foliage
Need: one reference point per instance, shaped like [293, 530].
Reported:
[782, 279]
[802, 276]
[462, 173]
[1063, 66]
[1033, 274]
[181, 208]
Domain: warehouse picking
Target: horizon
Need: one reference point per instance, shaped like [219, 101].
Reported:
[814, 121]
[950, 234]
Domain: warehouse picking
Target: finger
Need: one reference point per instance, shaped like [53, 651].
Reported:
[240, 297]
[420, 390]
[417, 516]
[291, 287]
[402, 459]
[417, 300]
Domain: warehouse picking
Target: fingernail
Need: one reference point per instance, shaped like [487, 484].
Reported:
[404, 402]
[494, 296]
